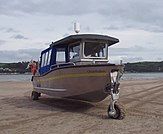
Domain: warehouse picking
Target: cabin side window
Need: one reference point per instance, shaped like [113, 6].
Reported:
[45, 60]
[42, 60]
[49, 57]
[95, 50]
[74, 52]
[60, 55]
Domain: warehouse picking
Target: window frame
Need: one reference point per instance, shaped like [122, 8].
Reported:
[70, 45]
[64, 55]
[49, 56]
[85, 57]
[45, 59]
[42, 60]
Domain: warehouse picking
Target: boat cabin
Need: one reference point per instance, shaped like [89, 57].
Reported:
[79, 49]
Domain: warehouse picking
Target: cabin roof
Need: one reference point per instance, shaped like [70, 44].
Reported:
[79, 37]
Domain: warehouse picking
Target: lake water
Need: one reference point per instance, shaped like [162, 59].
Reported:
[126, 76]
[142, 76]
[15, 77]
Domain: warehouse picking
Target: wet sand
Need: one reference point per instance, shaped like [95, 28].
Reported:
[143, 101]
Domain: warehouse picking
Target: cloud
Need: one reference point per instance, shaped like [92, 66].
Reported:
[54, 7]
[135, 53]
[2, 42]
[19, 36]
[8, 30]
[146, 15]
[131, 59]
[20, 55]
[66, 34]
[128, 51]
[11, 30]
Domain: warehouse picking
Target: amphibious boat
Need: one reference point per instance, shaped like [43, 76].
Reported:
[77, 67]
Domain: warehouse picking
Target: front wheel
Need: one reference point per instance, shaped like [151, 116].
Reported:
[35, 95]
[119, 112]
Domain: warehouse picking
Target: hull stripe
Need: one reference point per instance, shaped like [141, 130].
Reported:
[101, 74]
[52, 89]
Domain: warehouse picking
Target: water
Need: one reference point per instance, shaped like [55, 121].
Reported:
[142, 76]
[15, 77]
[126, 76]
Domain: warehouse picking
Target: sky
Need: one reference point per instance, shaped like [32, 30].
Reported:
[29, 26]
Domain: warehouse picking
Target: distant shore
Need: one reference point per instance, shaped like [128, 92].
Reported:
[137, 67]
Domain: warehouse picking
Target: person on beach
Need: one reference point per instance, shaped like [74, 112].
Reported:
[33, 66]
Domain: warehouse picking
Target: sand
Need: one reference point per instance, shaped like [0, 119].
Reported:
[143, 101]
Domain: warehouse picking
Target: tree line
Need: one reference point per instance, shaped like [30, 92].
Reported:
[20, 67]
[144, 67]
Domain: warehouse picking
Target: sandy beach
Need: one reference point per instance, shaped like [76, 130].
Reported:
[142, 100]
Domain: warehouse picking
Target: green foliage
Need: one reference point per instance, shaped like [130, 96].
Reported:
[19, 67]
[144, 67]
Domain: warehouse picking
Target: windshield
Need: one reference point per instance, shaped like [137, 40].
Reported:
[74, 51]
[95, 50]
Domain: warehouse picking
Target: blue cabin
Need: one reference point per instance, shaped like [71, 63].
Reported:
[76, 50]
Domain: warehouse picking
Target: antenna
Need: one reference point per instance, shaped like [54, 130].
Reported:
[76, 27]
[121, 62]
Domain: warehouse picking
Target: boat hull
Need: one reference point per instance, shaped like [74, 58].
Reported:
[76, 82]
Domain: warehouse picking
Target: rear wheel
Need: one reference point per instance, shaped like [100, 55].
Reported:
[119, 112]
[39, 94]
[35, 95]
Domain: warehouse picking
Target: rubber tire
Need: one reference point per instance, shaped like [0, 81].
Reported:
[35, 95]
[120, 113]
[39, 94]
